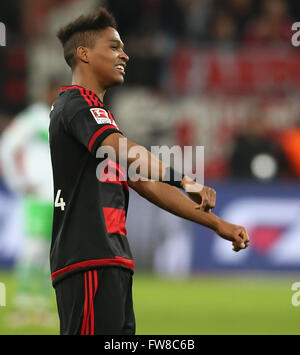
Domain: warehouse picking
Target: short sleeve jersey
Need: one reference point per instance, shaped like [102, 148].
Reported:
[89, 211]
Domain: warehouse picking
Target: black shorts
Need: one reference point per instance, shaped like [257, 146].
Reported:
[96, 301]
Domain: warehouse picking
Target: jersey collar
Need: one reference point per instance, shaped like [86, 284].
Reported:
[72, 87]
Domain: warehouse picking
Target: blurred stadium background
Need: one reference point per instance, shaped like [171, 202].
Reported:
[212, 73]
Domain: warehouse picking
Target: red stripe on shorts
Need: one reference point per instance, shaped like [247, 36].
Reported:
[91, 287]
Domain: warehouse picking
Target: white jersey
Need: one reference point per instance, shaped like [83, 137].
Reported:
[25, 153]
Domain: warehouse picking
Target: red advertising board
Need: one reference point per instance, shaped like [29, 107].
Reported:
[242, 71]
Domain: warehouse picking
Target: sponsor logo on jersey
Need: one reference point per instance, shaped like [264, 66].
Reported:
[100, 116]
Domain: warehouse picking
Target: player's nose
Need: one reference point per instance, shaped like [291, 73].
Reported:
[124, 56]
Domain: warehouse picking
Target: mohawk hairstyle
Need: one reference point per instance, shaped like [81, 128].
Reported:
[81, 32]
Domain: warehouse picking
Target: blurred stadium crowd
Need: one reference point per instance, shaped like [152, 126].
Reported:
[222, 74]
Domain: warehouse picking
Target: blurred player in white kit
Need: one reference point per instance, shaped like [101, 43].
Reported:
[26, 169]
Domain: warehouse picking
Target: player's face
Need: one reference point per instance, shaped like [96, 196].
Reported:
[108, 59]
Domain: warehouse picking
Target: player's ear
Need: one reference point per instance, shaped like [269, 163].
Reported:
[82, 54]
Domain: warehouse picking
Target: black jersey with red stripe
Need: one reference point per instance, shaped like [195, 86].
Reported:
[90, 208]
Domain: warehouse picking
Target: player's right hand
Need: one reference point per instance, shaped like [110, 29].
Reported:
[204, 196]
[236, 234]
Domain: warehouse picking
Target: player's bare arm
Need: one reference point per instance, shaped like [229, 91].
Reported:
[174, 201]
[203, 196]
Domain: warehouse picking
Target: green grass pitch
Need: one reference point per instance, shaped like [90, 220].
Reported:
[196, 305]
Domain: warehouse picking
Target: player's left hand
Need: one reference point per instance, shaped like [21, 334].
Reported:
[204, 196]
[236, 234]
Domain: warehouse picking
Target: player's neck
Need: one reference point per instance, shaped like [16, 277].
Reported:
[88, 83]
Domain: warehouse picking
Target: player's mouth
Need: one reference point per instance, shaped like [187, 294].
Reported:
[121, 68]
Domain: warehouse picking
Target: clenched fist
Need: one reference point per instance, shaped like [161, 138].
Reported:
[236, 234]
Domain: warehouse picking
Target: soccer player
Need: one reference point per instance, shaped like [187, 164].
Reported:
[26, 169]
[91, 261]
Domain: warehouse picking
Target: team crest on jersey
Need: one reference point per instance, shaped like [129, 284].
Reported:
[100, 115]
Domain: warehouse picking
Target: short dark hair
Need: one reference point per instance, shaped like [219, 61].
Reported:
[81, 32]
